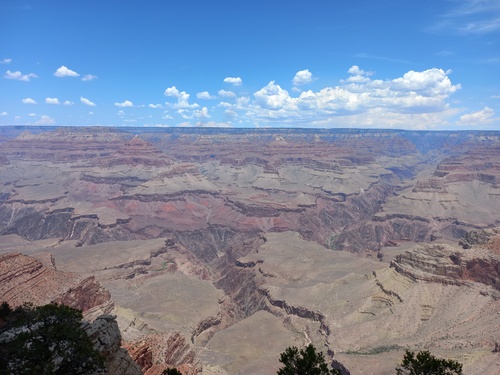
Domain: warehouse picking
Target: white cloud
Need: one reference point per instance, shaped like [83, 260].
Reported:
[205, 95]
[52, 101]
[67, 102]
[45, 120]
[202, 113]
[355, 70]
[17, 75]
[3, 113]
[172, 91]
[32, 114]
[302, 77]
[233, 80]
[358, 75]
[65, 72]
[227, 94]
[6, 61]
[182, 98]
[88, 77]
[199, 124]
[230, 112]
[272, 96]
[126, 103]
[155, 106]
[120, 113]
[86, 102]
[469, 17]
[28, 101]
[415, 100]
[484, 116]
[184, 114]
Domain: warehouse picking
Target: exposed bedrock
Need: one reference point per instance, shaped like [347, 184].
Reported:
[373, 235]
[154, 353]
[216, 241]
[26, 279]
[300, 311]
[450, 265]
[220, 247]
[33, 224]
[106, 337]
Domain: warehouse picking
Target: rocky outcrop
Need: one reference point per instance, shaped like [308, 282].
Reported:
[84, 296]
[25, 279]
[474, 238]
[449, 265]
[136, 152]
[155, 353]
[105, 335]
[300, 311]
[382, 231]
[431, 185]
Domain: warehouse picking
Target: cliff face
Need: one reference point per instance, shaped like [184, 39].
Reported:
[158, 352]
[106, 337]
[450, 265]
[350, 189]
[25, 279]
[196, 232]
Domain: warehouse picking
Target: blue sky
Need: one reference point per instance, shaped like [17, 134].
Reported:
[275, 63]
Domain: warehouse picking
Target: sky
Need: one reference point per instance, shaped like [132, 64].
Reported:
[428, 64]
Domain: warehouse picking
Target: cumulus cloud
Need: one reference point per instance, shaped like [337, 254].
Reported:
[227, 94]
[172, 91]
[126, 103]
[272, 96]
[302, 77]
[233, 80]
[32, 114]
[67, 102]
[484, 116]
[65, 72]
[45, 120]
[3, 113]
[355, 70]
[155, 106]
[88, 77]
[202, 113]
[28, 101]
[205, 95]
[17, 75]
[6, 61]
[358, 75]
[52, 101]
[200, 124]
[86, 102]
[405, 101]
[416, 99]
[182, 98]
[184, 114]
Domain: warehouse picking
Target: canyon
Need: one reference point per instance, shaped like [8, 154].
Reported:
[212, 250]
